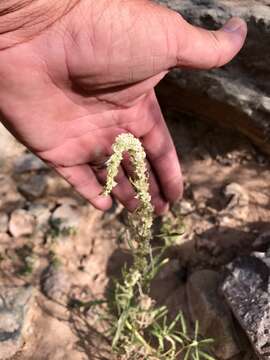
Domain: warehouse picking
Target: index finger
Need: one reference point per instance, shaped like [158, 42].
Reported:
[162, 155]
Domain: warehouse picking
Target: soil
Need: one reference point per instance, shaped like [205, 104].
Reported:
[226, 207]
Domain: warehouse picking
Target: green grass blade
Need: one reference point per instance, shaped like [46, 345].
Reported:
[120, 327]
[183, 324]
[187, 354]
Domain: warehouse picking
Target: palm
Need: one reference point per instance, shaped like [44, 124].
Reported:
[70, 91]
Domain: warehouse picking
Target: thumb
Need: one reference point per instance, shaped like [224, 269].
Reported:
[203, 49]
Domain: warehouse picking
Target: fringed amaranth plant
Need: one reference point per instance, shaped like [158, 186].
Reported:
[138, 328]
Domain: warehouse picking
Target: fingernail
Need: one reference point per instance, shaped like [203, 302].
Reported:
[102, 202]
[234, 25]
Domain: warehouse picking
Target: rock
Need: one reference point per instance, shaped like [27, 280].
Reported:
[176, 302]
[21, 223]
[49, 202]
[15, 316]
[10, 199]
[28, 162]
[66, 217]
[3, 222]
[4, 239]
[184, 207]
[207, 306]
[56, 284]
[42, 215]
[67, 201]
[57, 185]
[237, 195]
[34, 187]
[168, 279]
[236, 95]
[170, 269]
[247, 291]
[262, 242]
[237, 208]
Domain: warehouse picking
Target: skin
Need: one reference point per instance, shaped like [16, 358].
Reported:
[70, 87]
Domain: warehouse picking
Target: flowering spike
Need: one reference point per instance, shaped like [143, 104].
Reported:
[144, 214]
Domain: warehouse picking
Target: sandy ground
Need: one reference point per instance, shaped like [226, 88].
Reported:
[226, 206]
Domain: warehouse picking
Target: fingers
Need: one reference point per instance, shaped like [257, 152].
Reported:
[124, 191]
[85, 148]
[202, 49]
[173, 42]
[161, 153]
[85, 182]
[146, 122]
[159, 203]
[164, 161]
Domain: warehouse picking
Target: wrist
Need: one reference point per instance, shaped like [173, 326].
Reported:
[21, 20]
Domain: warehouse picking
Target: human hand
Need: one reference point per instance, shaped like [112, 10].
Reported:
[68, 91]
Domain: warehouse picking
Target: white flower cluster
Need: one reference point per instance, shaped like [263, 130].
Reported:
[128, 143]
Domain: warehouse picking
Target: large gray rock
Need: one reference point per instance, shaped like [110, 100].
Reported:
[247, 290]
[207, 306]
[16, 305]
[237, 95]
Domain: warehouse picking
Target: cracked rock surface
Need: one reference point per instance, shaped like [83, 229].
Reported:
[247, 291]
[238, 94]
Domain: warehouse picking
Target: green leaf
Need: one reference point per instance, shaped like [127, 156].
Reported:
[187, 354]
[173, 324]
[196, 334]
[207, 341]
[183, 323]
[120, 327]
[177, 339]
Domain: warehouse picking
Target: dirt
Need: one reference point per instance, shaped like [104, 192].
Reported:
[226, 207]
